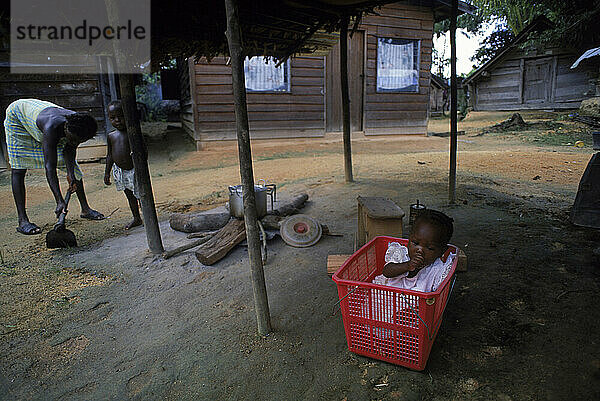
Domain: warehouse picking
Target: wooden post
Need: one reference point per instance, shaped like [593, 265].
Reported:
[345, 99]
[140, 162]
[453, 104]
[234, 40]
[136, 140]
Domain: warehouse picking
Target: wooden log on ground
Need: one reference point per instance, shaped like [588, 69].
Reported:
[185, 247]
[194, 222]
[291, 206]
[271, 222]
[202, 234]
[286, 208]
[334, 262]
[222, 242]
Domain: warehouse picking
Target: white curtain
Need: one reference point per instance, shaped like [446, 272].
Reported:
[397, 64]
[262, 75]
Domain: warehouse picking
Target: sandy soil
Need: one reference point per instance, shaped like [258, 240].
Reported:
[110, 321]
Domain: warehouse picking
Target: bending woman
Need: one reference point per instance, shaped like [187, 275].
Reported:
[40, 134]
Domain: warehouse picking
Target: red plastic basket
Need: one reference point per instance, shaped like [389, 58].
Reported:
[387, 323]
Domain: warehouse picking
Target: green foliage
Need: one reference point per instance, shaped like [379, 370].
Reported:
[148, 93]
[516, 13]
[575, 23]
[499, 38]
[467, 22]
[439, 61]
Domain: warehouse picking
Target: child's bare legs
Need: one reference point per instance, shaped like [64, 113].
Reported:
[135, 210]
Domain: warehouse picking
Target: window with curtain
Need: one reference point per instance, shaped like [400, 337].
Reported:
[397, 65]
[264, 76]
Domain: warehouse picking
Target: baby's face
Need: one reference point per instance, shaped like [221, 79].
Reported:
[425, 239]
[115, 115]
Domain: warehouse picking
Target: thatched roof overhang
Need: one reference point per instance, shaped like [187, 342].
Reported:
[276, 28]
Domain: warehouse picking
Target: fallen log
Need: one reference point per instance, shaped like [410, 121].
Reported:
[291, 206]
[222, 242]
[193, 222]
[216, 218]
[271, 222]
[201, 234]
[185, 247]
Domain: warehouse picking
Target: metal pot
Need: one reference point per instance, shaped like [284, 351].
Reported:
[236, 201]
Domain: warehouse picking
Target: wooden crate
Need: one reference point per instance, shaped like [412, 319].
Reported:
[377, 216]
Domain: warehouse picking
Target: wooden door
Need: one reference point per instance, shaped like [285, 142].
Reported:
[333, 95]
[537, 81]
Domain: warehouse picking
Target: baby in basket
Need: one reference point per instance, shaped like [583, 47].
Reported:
[422, 266]
[425, 263]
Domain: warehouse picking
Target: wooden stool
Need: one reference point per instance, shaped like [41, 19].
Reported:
[377, 216]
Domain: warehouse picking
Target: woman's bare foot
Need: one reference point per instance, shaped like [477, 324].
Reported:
[134, 223]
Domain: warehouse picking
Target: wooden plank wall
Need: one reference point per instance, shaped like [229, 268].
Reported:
[571, 85]
[506, 87]
[356, 85]
[187, 108]
[398, 113]
[299, 113]
[74, 92]
[501, 88]
[78, 92]
[436, 99]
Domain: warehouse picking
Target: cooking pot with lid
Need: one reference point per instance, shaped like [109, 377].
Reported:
[236, 201]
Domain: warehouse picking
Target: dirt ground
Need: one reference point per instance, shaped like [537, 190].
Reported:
[108, 320]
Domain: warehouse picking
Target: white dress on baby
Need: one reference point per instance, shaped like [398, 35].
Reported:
[427, 280]
[402, 308]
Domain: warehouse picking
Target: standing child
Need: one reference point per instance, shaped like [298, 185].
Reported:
[425, 263]
[119, 161]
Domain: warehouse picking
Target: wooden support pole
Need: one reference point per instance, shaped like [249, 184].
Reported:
[140, 162]
[136, 140]
[453, 104]
[345, 99]
[234, 39]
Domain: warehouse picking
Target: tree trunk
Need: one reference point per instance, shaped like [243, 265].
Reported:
[345, 100]
[453, 104]
[234, 40]
[136, 140]
[140, 163]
